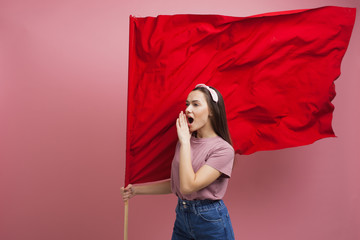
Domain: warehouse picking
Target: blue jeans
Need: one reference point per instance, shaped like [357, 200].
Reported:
[202, 220]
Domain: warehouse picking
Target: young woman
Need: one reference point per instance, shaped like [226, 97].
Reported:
[200, 169]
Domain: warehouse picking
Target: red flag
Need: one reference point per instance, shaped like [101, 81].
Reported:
[275, 71]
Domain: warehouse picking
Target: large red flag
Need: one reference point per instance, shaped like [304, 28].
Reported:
[275, 71]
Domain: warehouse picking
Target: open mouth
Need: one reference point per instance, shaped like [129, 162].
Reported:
[191, 120]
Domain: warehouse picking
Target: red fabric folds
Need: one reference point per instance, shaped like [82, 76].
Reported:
[276, 72]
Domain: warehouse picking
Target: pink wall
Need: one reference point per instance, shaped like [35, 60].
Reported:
[63, 85]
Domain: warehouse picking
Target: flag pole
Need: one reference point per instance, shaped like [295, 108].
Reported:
[126, 218]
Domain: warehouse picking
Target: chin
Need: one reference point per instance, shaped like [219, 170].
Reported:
[192, 129]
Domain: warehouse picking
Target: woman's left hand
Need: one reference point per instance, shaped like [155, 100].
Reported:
[182, 127]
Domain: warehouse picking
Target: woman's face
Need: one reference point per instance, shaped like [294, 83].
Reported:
[197, 112]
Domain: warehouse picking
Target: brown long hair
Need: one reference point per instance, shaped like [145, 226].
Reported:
[218, 119]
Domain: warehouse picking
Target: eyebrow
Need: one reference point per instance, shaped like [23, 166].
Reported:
[193, 101]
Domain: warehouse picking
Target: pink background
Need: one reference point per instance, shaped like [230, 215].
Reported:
[63, 86]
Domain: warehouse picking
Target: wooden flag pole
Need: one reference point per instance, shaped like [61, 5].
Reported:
[126, 218]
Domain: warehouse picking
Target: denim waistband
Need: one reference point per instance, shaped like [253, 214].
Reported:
[199, 205]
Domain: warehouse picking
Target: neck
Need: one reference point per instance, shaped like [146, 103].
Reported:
[205, 133]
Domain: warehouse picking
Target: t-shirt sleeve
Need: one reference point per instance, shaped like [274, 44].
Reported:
[222, 159]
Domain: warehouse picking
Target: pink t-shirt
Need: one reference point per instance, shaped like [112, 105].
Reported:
[216, 153]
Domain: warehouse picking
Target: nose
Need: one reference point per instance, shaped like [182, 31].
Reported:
[188, 109]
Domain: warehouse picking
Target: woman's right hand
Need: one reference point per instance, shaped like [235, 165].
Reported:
[127, 192]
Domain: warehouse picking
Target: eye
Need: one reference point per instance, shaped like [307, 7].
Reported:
[187, 104]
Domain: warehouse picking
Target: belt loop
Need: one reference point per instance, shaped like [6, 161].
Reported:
[194, 208]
